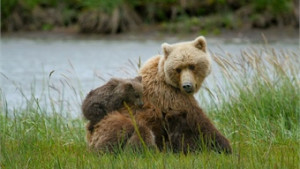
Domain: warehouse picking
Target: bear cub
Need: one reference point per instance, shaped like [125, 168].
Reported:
[111, 97]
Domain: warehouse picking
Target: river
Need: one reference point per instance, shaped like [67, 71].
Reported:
[77, 65]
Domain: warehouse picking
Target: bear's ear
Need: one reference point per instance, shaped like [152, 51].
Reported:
[127, 86]
[138, 78]
[200, 43]
[167, 49]
[114, 81]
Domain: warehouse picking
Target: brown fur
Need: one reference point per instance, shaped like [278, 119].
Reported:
[116, 130]
[171, 114]
[110, 97]
[184, 121]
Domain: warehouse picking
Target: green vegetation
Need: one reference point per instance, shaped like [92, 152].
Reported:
[258, 110]
[113, 16]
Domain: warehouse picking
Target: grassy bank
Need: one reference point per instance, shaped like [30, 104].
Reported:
[115, 16]
[258, 109]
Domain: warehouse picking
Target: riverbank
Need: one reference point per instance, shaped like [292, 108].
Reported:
[247, 35]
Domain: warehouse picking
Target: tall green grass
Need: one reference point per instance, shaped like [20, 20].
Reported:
[257, 107]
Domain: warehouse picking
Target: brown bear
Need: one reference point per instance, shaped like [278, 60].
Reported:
[171, 116]
[110, 97]
[169, 82]
[111, 125]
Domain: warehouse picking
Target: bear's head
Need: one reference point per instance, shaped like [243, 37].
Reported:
[185, 65]
[130, 90]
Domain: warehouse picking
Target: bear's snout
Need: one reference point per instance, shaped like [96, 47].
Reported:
[188, 87]
[139, 103]
[187, 81]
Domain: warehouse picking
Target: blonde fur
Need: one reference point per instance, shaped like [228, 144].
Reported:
[162, 84]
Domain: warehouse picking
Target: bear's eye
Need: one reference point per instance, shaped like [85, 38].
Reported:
[178, 70]
[191, 67]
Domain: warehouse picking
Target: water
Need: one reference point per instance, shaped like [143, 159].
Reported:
[78, 65]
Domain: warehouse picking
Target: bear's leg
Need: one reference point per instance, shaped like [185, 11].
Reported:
[88, 132]
[144, 137]
[150, 121]
[180, 134]
[111, 133]
[207, 132]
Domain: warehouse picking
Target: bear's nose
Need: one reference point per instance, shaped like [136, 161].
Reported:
[188, 87]
[139, 103]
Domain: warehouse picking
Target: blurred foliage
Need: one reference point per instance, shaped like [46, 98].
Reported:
[7, 7]
[103, 5]
[154, 11]
[274, 6]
